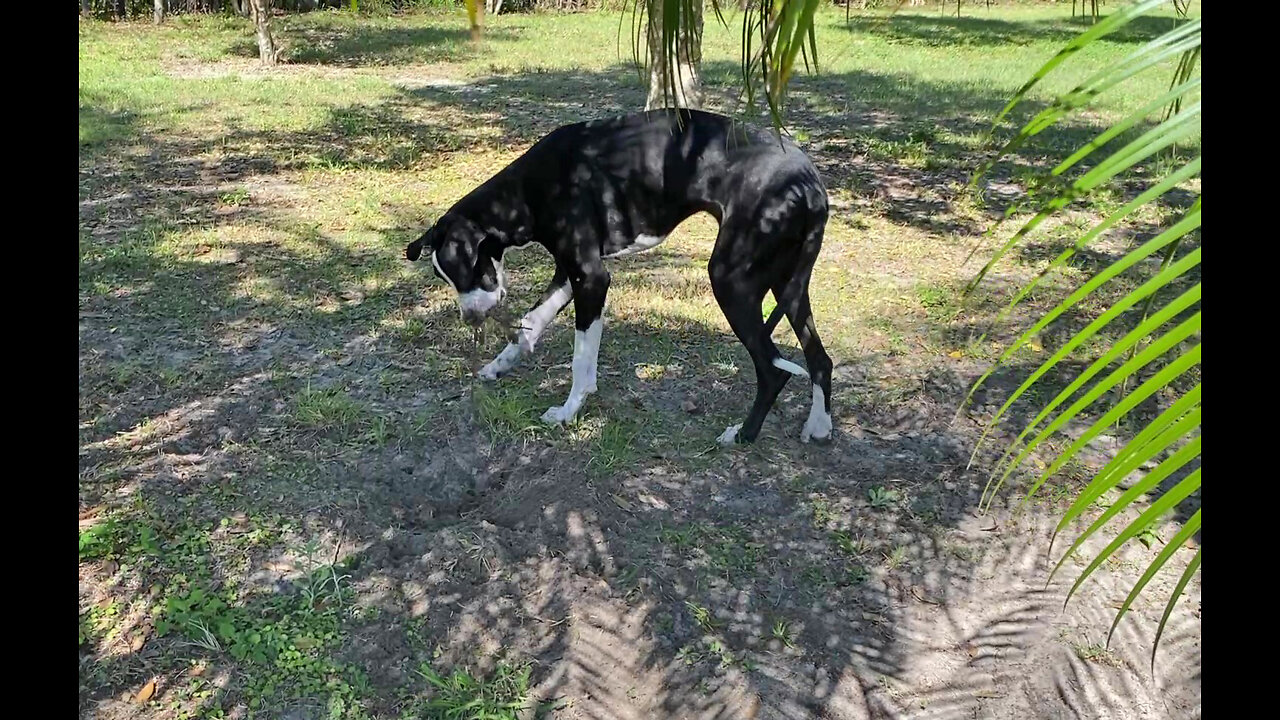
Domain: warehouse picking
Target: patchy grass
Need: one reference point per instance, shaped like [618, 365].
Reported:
[297, 501]
[460, 694]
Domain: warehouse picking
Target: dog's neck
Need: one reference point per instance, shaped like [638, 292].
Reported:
[507, 224]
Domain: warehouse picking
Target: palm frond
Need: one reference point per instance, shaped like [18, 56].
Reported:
[1158, 356]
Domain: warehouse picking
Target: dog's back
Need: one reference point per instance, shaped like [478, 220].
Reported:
[643, 174]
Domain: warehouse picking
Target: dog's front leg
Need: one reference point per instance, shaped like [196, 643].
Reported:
[532, 326]
[588, 306]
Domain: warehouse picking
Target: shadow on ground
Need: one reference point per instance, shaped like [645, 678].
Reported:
[972, 29]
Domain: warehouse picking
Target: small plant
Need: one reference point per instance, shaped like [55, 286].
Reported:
[116, 539]
[855, 575]
[847, 544]
[326, 409]
[463, 696]
[882, 498]
[783, 633]
[816, 575]
[1148, 537]
[236, 197]
[822, 514]
[896, 558]
[678, 537]
[702, 616]
[1095, 653]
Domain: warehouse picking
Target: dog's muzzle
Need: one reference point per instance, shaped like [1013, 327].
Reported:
[477, 304]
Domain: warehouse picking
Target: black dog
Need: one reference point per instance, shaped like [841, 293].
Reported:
[607, 188]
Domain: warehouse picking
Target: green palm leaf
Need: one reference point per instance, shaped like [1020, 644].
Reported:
[1157, 354]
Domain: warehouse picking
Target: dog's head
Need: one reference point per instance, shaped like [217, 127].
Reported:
[462, 257]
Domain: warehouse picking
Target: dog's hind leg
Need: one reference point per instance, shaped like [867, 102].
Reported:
[739, 292]
[589, 292]
[794, 301]
[532, 325]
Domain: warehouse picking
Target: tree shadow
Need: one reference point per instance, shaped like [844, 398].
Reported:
[324, 41]
[936, 30]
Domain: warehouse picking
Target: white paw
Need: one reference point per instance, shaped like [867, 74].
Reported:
[557, 415]
[817, 427]
[729, 436]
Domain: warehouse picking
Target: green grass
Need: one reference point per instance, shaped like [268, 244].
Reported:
[502, 695]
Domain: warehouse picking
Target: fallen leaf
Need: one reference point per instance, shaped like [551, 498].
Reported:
[955, 354]
[690, 407]
[137, 643]
[146, 692]
[622, 502]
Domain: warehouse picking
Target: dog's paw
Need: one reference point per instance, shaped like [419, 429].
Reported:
[729, 436]
[557, 415]
[817, 428]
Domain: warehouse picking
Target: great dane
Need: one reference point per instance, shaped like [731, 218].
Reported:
[607, 188]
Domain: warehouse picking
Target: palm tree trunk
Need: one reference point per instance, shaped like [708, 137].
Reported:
[680, 86]
[262, 21]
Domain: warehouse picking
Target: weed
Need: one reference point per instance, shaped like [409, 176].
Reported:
[461, 695]
[702, 616]
[882, 498]
[782, 632]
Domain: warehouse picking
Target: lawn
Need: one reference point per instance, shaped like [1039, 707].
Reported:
[297, 501]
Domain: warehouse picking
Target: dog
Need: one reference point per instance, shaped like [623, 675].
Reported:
[603, 189]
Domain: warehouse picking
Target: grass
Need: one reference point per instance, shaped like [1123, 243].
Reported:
[286, 461]
[500, 696]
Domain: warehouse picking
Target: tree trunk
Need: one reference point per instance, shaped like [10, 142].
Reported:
[262, 21]
[158, 15]
[86, 7]
[681, 86]
[120, 9]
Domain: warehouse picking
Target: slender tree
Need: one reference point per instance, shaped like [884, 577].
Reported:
[157, 15]
[262, 22]
[675, 55]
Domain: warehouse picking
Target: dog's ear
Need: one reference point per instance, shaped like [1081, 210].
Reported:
[428, 240]
[414, 251]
